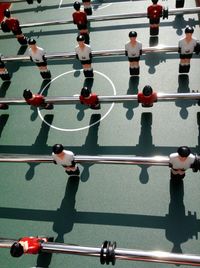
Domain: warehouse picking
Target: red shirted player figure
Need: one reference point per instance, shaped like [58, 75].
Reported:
[89, 99]
[12, 24]
[36, 100]
[154, 12]
[28, 245]
[147, 97]
[80, 19]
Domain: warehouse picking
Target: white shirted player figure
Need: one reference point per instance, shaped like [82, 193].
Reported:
[186, 47]
[180, 162]
[133, 49]
[84, 54]
[65, 158]
[37, 55]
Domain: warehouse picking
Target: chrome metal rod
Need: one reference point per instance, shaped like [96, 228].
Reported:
[119, 253]
[125, 254]
[106, 99]
[178, 11]
[99, 53]
[102, 159]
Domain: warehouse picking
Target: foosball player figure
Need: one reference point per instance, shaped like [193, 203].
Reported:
[65, 158]
[37, 55]
[89, 99]
[186, 47]
[87, 7]
[84, 54]
[181, 161]
[36, 100]
[133, 49]
[80, 19]
[3, 71]
[154, 13]
[12, 24]
[147, 97]
[28, 245]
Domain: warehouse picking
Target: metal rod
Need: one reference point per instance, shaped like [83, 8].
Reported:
[99, 53]
[106, 99]
[178, 11]
[125, 254]
[102, 159]
[119, 253]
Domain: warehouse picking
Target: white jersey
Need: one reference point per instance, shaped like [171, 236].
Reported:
[178, 164]
[133, 51]
[66, 160]
[38, 55]
[187, 48]
[83, 54]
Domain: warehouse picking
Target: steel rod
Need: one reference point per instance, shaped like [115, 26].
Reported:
[119, 253]
[183, 11]
[106, 99]
[125, 254]
[99, 53]
[102, 159]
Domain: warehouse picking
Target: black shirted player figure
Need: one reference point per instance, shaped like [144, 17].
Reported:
[133, 50]
[84, 54]
[186, 47]
[87, 7]
[10, 23]
[37, 55]
[182, 160]
[3, 71]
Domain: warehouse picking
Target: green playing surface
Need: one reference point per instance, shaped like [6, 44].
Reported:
[133, 205]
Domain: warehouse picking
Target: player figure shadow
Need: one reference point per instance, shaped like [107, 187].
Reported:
[132, 90]
[154, 59]
[179, 227]
[40, 145]
[145, 144]
[66, 215]
[4, 87]
[180, 23]
[88, 82]
[3, 121]
[77, 66]
[45, 84]
[44, 260]
[183, 87]
[91, 145]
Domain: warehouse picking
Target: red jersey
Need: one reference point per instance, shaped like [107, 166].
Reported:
[33, 244]
[90, 101]
[37, 100]
[13, 24]
[154, 11]
[79, 17]
[147, 100]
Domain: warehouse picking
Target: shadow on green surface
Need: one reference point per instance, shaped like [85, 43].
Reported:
[66, 214]
[132, 90]
[183, 87]
[178, 226]
[3, 121]
[40, 145]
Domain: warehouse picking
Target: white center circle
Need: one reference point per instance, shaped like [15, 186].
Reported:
[85, 127]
